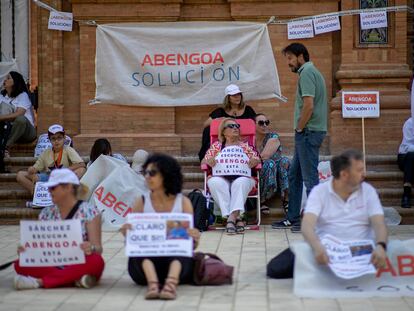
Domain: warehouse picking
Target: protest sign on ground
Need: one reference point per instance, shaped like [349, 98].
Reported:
[51, 243]
[396, 279]
[159, 234]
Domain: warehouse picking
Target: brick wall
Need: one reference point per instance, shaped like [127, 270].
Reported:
[66, 75]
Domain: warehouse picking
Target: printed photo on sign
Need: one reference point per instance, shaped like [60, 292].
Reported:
[360, 104]
[300, 29]
[232, 161]
[177, 230]
[51, 243]
[159, 234]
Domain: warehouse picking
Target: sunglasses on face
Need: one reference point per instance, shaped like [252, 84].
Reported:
[263, 123]
[151, 173]
[232, 126]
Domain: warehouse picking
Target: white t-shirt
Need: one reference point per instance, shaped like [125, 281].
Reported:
[21, 101]
[407, 144]
[345, 220]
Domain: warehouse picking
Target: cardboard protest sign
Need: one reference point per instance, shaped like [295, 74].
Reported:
[326, 24]
[159, 234]
[51, 243]
[373, 20]
[395, 280]
[60, 21]
[300, 29]
[360, 104]
[349, 259]
[41, 195]
[232, 161]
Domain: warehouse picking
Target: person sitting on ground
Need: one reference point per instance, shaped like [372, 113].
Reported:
[345, 207]
[275, 169]
[230, 192]
[406, 161]
[65, 189]
[56, 157]
[103, 146]
[20, 114]
[138, 159]
[233, 107]
[164, 179]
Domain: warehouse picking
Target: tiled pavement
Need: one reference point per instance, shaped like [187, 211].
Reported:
[250, 291]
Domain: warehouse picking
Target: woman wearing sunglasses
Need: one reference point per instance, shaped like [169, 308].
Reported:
[162, 274]
[233, 107]
[274, 173]
[230, 192]
[65, 189]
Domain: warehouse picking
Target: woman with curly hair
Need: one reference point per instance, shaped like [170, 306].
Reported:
[164, 179]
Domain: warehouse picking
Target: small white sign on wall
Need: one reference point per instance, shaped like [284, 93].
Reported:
[373, 20]
[300, 29]
[60, 21]
[326, 24]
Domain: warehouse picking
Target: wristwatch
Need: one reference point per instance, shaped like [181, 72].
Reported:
[298, 131]
[383, 244]
[93, 248]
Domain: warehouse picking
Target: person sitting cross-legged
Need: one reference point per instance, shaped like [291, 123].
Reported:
[58, 156]
[345, 207]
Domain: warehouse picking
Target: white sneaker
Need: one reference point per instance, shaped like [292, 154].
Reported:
[86, 281]
[25, 282]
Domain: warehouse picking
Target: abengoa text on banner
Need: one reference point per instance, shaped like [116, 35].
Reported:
[184, 63]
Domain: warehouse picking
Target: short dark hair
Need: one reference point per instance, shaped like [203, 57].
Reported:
[19, 86]
[170, 171]
[343, 161]
[259, 114]
[297, 49]
[101, 146]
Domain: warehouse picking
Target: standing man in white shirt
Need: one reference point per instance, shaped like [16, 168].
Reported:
[345, 207]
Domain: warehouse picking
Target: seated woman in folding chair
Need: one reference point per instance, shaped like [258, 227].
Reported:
[274, 173]
[230, 192]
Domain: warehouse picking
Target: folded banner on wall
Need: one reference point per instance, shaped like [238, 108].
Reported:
[184, 63]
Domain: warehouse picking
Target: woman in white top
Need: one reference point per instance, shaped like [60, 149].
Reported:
[20, 114]
[164, 179]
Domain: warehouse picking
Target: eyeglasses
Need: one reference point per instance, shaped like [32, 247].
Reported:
[232, 126]
[60, 138]
[263, 123]
[151, 173]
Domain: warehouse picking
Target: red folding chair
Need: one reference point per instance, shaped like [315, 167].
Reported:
[248, 134]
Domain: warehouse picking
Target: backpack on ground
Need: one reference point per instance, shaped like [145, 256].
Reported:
[202, 209]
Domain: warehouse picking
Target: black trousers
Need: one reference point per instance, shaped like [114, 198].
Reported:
[205, 143]
[406, 164]
[162, 265]
[281, 266]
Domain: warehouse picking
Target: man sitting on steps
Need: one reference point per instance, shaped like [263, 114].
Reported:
[56, 157]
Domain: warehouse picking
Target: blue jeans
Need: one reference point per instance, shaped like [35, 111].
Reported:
[303, 169]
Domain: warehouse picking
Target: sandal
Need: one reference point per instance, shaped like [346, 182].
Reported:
[232, 229]
[153, 290]
[169, 291]
[240, 228]
[265, 209]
